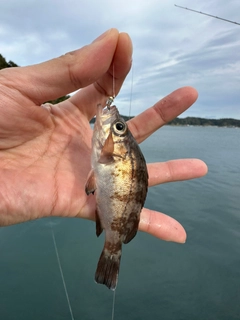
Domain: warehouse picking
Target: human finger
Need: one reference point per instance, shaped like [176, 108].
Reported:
[109, 83]
[162, 226]
[175, 170]
[165, 110]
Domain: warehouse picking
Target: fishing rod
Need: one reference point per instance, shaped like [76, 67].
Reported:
[207, 14]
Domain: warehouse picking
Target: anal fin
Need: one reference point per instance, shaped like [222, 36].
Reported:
[132, 231]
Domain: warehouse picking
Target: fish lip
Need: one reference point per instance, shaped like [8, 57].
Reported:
[110, 110]
[109, 115]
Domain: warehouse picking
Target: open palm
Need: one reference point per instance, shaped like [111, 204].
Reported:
[45, 151]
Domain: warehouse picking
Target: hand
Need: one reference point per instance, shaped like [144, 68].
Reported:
[45, 152]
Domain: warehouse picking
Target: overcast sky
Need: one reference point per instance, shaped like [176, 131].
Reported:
[172, 47]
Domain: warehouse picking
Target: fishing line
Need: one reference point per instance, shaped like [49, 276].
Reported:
[113, 303]
[131, 94]
[61, 272]
[113, 75]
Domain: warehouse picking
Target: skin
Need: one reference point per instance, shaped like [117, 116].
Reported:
[45, 152]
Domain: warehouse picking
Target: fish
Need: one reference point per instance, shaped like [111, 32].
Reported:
[119, 181]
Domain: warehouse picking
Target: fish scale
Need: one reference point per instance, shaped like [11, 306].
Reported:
[119, 181]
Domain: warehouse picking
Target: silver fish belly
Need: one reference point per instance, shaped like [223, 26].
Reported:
[119, 180]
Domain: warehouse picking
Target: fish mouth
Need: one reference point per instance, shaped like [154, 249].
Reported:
[109, 114]
[109, 110]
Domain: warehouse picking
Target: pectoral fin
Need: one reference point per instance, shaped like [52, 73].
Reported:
[106, 155]
[90, 186]
[99, 228]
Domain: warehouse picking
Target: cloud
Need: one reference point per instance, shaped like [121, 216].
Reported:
[172, 47]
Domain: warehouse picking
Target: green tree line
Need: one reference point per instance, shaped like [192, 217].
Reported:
[192, 121]
[5, 64]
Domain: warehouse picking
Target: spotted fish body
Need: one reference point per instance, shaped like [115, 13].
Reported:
[119, 180]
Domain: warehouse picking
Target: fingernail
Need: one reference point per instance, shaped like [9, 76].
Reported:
[103, 35]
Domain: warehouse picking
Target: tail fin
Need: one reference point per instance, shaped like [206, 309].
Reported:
[108, 269]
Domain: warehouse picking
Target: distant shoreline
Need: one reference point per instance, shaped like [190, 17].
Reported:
[194, 121]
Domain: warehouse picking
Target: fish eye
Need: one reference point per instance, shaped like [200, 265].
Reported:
[119, 127]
